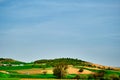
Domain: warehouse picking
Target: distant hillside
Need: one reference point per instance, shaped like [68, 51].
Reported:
[74, 62]
[10, 61]
[69, 61]
[54, 62]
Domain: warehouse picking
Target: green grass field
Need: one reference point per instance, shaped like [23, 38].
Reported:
[14, 75]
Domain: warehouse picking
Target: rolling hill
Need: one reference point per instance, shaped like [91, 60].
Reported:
[74, 62]
[10, 61]
[53, 62]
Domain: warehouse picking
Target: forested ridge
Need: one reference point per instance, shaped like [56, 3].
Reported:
[68, 61]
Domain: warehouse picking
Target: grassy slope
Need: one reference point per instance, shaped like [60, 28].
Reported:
[15, 76]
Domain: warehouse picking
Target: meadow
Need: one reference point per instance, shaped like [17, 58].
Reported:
[42, 70]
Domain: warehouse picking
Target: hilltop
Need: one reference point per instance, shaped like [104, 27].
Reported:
[10, 61]
[71, 61]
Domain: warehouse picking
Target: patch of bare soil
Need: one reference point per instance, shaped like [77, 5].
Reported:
[4, 72]
[93, 68]
[72, 70]
[34, 71]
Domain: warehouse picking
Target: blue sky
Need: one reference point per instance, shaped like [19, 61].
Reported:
[39, 29]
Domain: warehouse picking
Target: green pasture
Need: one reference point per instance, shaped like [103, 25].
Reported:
[13, 75]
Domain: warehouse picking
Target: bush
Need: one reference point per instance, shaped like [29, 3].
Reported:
[81, 70]
[44, 72]
[99, 74]
[114, 77]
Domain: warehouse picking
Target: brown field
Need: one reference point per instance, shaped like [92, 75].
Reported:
[92, 68]
[70, 70]
[34, 71]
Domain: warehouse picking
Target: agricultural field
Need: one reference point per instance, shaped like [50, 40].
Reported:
[40, 70]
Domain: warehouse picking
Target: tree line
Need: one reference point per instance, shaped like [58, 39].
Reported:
[68, 61]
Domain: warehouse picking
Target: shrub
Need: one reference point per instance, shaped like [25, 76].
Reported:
[44, 72]
[81, 70]
[99, 74]
[114, 77]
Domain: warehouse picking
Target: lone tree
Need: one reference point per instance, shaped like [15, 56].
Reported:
[81, 70]
[60, 70]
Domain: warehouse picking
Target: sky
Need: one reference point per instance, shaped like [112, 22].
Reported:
[46, 29]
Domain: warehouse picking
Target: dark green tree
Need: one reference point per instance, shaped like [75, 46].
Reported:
[81, 70]
[60, 70]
